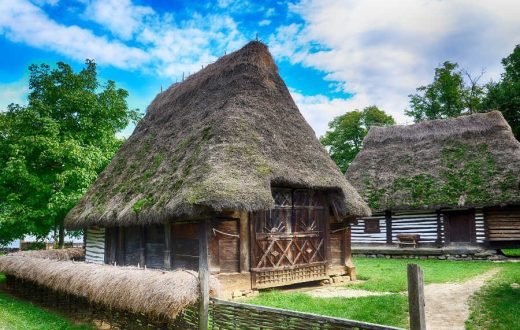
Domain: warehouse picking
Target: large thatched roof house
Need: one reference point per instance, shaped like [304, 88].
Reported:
[227, 144]
[454, 181]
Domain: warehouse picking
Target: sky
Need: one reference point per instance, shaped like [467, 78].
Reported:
[334, 55]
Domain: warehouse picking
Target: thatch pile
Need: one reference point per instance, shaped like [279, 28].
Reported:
[217, 141]
[152, 292]
[471, 161]
[55, 254]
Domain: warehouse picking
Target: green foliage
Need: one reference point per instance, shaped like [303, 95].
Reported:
[497, 305]
[505, 95]
[447, 96]
[142, 204]
[346, 133]
[389, 309]
[466, 170]
[53, 148]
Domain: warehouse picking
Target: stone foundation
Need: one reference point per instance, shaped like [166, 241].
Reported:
[459, 253]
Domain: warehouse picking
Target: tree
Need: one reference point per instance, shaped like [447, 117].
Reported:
[505, 95]
[443, 98]
[52, 149]
[345, 137]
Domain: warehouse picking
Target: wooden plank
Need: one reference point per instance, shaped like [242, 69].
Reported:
[416, 298]
[142, 242]
[121, 246]
[167, 245]
[388, 219]
[204, 274]
[245, 261]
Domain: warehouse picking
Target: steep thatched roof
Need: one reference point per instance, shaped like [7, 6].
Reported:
[471, 161]
[77, 254]
[216, 141]
[152, 292]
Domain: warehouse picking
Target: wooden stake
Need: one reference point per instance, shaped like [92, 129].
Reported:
[204, 274]
[416, 298]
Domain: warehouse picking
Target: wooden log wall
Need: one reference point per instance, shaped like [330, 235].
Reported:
[95, 245]
[502, 224]
[359, 235]
[424, 224]
[480, 230]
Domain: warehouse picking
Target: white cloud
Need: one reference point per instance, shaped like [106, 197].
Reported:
[264, 22]
[14, 92]
[22, 21]
[383, 50]
[121, 17]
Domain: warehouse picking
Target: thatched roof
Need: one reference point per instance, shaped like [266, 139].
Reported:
[75, 253]
[152, 292]
[217, 141]
[470, 161]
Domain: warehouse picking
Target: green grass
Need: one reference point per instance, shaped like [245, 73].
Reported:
[19, 314]
[389, 275]
[511, 252]
[497, 305]
[388, 309]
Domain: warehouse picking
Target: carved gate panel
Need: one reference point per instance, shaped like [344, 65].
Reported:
[289, 243]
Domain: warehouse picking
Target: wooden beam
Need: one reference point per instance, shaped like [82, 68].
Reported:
[205, 226]
[142, 246]
[416, 298]
[388, 221]
[167, 245]
[245, 261]
[439, 229]
[121, 247]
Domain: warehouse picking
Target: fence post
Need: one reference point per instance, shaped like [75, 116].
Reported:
[204, 275]
[416, 298]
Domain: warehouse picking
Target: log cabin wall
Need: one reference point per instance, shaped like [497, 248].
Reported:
[431, 228]
[502, 226]
[95, 245]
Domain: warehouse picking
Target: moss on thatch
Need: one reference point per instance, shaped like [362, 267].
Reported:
[471, 161]
[152, 292]
[217, 141]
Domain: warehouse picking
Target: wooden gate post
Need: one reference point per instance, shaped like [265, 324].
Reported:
[204, 274]
[416, 298]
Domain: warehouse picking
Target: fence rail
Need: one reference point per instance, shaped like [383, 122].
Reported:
[234, 315]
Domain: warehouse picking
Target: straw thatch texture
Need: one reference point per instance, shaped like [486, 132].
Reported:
[471, 161]
[216, 141]
[55, 254]
[151, 292]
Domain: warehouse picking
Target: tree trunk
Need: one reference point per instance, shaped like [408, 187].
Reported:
[61, 239]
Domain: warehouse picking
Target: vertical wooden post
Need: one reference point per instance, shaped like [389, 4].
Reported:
[142, 247]
[416, 298]
[113, 244]
[204, 274]
[439, 229]
[388, 219]
[347, 241]
[167, 245]
[121, 247]
[244, 243]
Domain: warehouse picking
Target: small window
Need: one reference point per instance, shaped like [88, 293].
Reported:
[372, 226]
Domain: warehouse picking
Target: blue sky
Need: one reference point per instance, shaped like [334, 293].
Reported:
[335, 55]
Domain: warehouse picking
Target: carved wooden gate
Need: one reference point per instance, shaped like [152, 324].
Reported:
[290, 241]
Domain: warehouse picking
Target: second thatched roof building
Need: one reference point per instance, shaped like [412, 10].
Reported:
[453, 182]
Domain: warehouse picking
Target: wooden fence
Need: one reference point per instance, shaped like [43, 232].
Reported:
[234, 315]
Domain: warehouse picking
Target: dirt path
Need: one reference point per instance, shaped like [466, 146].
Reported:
[447, 303]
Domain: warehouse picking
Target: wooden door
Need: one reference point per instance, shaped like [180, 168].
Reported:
[290, 244]
[460, 227]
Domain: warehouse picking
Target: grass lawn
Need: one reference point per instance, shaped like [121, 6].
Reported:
[511, 252]
[390, 274]
[385, 275]
[497, 305]
[19, 314]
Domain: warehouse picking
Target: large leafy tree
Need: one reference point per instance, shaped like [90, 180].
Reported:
[447, 96]
[53, 148]
[346, 133]
[505, 95]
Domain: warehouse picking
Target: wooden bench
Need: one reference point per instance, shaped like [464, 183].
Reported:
[408, 239]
